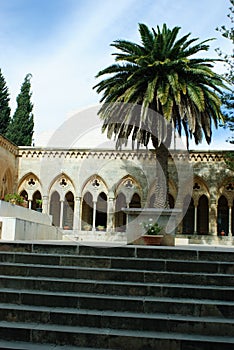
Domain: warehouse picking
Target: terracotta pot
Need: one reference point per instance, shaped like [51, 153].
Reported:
[152, 239]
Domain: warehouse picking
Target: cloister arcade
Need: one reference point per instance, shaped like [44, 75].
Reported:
[66, 185]
[100, 208]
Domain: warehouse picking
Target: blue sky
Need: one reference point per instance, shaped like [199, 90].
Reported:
[64, 43]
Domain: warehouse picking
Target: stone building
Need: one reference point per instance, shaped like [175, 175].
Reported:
[86, 190]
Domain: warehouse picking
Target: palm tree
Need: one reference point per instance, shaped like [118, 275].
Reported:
[156, 85]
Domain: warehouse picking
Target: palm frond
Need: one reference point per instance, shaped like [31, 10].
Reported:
[160, 74]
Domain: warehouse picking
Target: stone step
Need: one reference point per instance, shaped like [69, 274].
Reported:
[115, 274]
[193, 253]
[168, 298]
[156, 322]
[111, 338]
[20, 284]
[120, 263]
[202, 306]
[145, 300]
[20, 345]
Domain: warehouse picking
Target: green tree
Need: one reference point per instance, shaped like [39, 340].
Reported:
[4, 106]
[20, 130]
[228, 97]
[160, 75]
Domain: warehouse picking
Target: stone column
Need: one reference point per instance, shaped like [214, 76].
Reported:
[94, 215]
[195, 202]
[29, 204]
[110, 215]
[213, 211]
[127, 221]
[61, 213]
[45, 204]
[230, 222]
[76, 217]
[195, 218]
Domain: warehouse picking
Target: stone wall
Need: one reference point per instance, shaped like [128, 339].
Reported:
[8, 167]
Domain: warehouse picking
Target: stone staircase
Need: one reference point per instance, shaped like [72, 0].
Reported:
[69, 296]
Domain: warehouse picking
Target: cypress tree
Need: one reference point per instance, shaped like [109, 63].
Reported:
[20, 130]
[4, 106]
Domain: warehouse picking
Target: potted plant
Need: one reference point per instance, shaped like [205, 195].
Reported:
[39, 205]
[14, 198]
[66, 226]
[153, 233]
[101, 228]
[87, 227]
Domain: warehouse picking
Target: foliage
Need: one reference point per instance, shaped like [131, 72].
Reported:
[229, 160]
[101, 228]
[152, 228]
[20, 130]
[159, 74]
[14, 198]
[4, 106]
[39, 202]
[228, 97]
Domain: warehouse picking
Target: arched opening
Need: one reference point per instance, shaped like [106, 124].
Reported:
[7, 183]
[223, 215]
[101, 210]
[203, 216]
[55, 208]
[36, 201]
[135, 201]
[188, 221]
[24, 194]
[171, 201]
[120, 216]
[87, 211]
[68, 211]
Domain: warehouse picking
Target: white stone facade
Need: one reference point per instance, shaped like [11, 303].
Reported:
[86, 190]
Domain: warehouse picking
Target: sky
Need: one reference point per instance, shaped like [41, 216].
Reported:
[64, 43]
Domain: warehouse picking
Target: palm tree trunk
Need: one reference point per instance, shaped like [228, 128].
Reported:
[161, 183]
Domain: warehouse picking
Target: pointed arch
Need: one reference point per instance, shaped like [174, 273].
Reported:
[120, 218]
[55, 208]
[203, 215]
[223, 220]
[6, 183]
[87, 211]
[68, 210]
[95, 185]
[200, 188]
[61, 183]
[36, 197]
[101, 210]
[188, 220]
[128, 186]
[94, 182]
[31, 184]
[135, 201]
